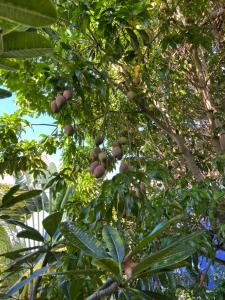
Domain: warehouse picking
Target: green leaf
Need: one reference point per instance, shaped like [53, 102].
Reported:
[10, 200]
[14, 254]
[33, 13]
[169, 263]
[82, 240]
[51, 223]
[148, 295]
[30, 234]
[25, 44]
[108, 264]
[177, 247]
[114, 243]
[7, 64]
[5, 94]
[10, 192]
[155, 232]
[16, 287]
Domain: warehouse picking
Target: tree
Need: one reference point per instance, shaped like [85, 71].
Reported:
[146, 79]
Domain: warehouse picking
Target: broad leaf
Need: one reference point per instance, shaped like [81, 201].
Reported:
[25, 44]
[5, 94]
[82, 240]
[30, 234]
[10, 192]
[108, 264]
[147, 295]
[51, 223]
[177, 247]
[33, 13]
[22, 283]
[8, 64]
[10, 200]
[14, 254]
[155, 232]
[114, 243]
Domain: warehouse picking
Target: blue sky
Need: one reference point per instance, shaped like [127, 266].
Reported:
[9, 106]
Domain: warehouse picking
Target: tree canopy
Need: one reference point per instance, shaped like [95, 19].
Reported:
[136, 90]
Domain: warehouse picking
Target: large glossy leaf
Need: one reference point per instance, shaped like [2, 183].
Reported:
[10, 200]
[82, 240]
[108, 264]
[22, 283]
[147, 295]
[25, 44]
[8, 64]
[51, 223]
[114, 243]
[31, 234]
[15, 253]
[5, 94]
[155, 232]
[33, 13]
[169, 263]
[177, 247]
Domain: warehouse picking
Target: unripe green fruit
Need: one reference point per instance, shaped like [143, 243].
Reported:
[68, 129]
[54, 107]
[131, 95]
[117, 152]
[68, 94]
[99, 171]
[122, 140]
[60, 101]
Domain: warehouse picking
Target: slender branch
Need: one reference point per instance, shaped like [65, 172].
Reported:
[43, 124]
[113, 287]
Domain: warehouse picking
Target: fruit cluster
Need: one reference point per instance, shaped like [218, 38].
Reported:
[99, 157]
[57, 104]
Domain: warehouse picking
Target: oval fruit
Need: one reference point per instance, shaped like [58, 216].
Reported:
[99, 171]
[102, 156]
[124, 167]
[99, 140]
[54, 107]
[94, 153]
[122, 140]
[68, 94]
[60, 101]
[93, 166]
[117, 152]
[131, 95]
[68, 129]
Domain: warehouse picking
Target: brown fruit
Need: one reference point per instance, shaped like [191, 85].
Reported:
[68, 94]
[99, 171]
[99, 140]
[115, 144]
[94, 153]
[122, 140]
[102, 156]
[54, 107]
[142, 187]
[68, 129]
[124, 167]
[60, 101]
[136, 80]
[93, 166]
[129, 265]
[117, 152]
[131, 95]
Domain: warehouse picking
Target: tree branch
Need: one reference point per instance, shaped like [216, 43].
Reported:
[103, 292]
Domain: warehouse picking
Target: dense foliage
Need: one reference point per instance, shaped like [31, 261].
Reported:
[143, 84]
